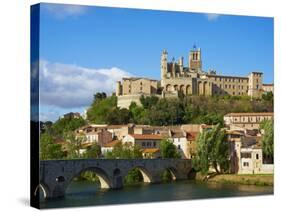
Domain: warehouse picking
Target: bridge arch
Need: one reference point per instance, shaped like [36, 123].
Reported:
[169, 173]
[104, 179]
[173, 172]
[146, 175]
[43, 188]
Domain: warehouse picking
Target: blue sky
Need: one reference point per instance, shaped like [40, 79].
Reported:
[114, 42]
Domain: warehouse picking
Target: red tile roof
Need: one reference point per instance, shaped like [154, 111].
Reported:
[112, 143]
[146, 136]
[191, 135]
[150, 150]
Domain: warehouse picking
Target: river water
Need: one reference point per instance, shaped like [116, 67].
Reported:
[87, 193]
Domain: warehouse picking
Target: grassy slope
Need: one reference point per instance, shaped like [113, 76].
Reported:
[246, 179]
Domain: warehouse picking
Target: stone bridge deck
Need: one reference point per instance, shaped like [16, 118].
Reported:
[56, 175]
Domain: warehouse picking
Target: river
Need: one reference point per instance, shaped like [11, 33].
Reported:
[85, 193]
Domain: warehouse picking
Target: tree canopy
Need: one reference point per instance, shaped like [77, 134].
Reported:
[124, 151]
[212, 151]
[168, 149]
[174, 111]
[48, 148]
[268, 137]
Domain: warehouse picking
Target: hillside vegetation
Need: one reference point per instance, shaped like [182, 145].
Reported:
[175, 111]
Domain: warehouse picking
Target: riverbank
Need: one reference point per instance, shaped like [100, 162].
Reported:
[243, 179]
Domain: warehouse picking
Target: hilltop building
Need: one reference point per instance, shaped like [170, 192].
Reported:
[189, 80]
[246, 120]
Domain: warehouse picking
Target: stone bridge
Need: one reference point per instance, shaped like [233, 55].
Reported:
[56, 175]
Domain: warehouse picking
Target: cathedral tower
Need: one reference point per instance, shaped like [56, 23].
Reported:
[164, 65]
[195, 62]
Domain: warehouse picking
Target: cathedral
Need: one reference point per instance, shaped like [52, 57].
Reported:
[177, 78]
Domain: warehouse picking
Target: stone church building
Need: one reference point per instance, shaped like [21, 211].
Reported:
[188, 80]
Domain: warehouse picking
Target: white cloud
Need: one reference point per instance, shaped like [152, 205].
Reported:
[65, 10]
[212, 16]
[71, 86]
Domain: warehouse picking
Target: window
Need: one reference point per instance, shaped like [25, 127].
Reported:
[229, 86]
[233, 93]
[154, 144]
[245, 155]
[246, 164]
[233, 86]
[179, 146]
[143, 144]
[257, 86]
[257, 156]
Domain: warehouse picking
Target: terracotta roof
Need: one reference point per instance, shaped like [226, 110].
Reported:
[204, 126]
[117, 126]
[191, 135]
[250, 114]
[150, 150]
[177, 134]
[146, 136]
[88, 144]
[112, 143]
[60, 141]
[234, 132]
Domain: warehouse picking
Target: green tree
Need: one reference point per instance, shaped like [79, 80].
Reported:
[99, 96]
[64, 125]
[268, 96]
[74, 144]
[93, 151]
[148, 101]
[124, 151]
[137, 113]
[49, 149]
[212, 151]
[134, 176]
[118, 116]
[99, 110]
[168, 149]
[268, 137]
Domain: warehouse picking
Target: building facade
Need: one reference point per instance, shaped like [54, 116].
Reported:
[189, 80]
[246, 120]
[193, 80]
[246, 156]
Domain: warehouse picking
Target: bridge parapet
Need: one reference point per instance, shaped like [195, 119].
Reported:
[56, 175]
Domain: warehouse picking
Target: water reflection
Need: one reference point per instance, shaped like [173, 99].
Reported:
[89, 193]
